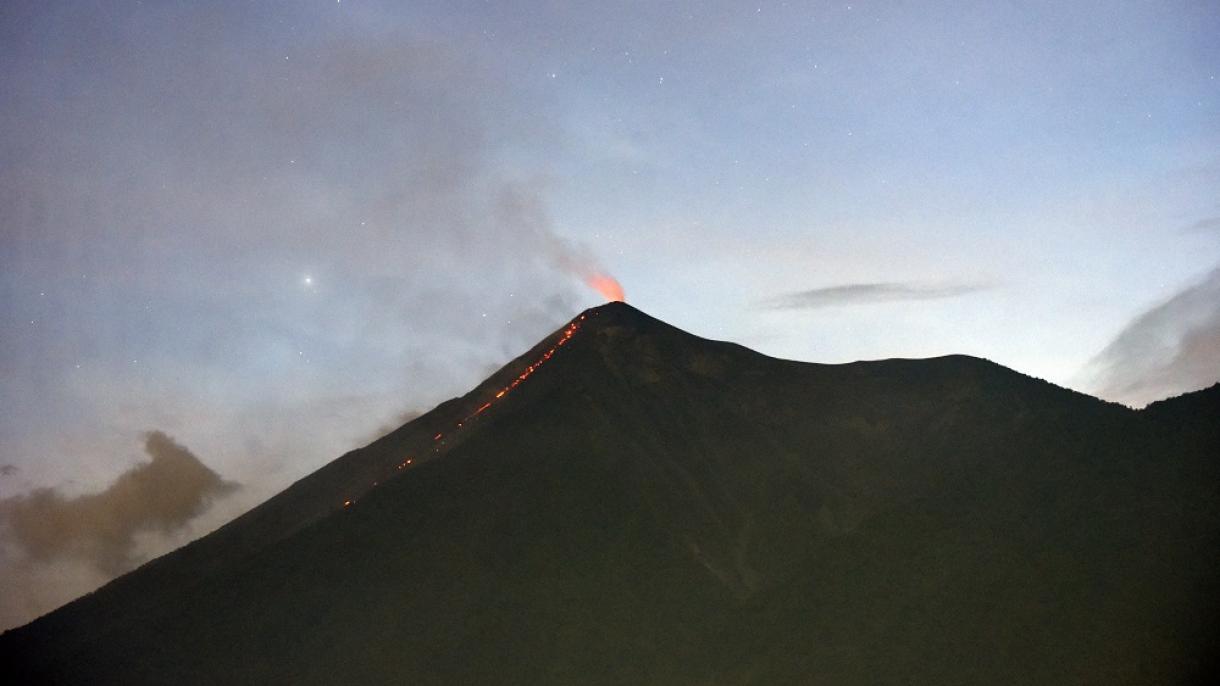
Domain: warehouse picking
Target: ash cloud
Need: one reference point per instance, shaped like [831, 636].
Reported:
[867, 293]
[101, 529]
[521, 208]
[1169, 349]
[402, 173]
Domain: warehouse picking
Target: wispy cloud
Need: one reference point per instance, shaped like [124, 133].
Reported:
[1169, 349]
[866, 293]
[1208, 224]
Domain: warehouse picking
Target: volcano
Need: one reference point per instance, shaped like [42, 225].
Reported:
[627, 503]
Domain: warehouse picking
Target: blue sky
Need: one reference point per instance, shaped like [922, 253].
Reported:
[271, 229]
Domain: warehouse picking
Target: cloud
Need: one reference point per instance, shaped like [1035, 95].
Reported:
[1169, 349]
[865, 293]
[102, 529]
[8, 470]
[1209, 224]
[32, 589]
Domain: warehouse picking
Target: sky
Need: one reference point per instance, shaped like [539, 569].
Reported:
[238, 239]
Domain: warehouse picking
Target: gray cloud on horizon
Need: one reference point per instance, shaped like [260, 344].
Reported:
[1167, 350]
[1208, 224]
[101, 529]
[867, 293]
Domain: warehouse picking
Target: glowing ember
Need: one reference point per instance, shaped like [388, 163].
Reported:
[608, 286]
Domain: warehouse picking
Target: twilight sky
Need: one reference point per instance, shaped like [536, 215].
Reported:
[240, 238]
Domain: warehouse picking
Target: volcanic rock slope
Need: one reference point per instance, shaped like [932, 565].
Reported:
[630, 504]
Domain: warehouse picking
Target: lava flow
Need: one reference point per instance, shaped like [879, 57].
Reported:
[564, 337]
[568, 332]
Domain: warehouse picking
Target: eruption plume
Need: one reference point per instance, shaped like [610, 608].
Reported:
[520, 206]
[607, 285]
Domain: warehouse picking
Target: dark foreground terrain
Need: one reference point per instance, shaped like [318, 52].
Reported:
[648, 507]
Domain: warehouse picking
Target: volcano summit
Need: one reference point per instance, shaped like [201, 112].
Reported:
[630, 504]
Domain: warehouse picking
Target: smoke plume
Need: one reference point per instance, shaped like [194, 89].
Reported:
[160, 496]
[399, 173]
[523, 210]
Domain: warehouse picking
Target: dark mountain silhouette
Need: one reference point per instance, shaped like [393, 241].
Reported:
[648, 507]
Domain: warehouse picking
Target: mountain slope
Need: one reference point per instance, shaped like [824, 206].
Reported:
[651, 507]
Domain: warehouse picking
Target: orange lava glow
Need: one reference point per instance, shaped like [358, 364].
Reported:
[608, 286]
[564, 337]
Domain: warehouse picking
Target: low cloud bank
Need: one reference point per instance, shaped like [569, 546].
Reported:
[54, 547]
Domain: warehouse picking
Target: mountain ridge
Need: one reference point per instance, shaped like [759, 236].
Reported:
[712, 513]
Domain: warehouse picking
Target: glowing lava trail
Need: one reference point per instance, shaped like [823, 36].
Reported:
[611, 288]
[564, 337]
